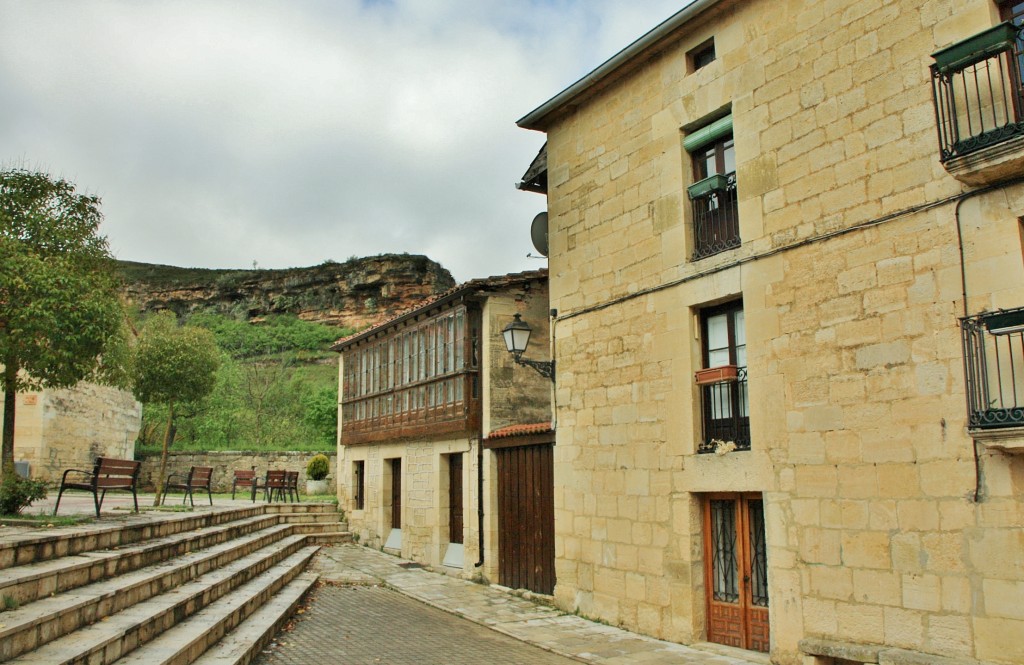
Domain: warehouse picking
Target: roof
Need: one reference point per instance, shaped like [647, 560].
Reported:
[538, 118]
[474, 287]
[536, 177]
[520, 430]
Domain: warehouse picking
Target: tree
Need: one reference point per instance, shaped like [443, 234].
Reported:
[173, 365]
[59, 308]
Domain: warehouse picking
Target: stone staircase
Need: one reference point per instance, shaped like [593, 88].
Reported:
[178, 588]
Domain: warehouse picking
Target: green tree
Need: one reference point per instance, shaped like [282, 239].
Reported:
[322, 412]
[58, 301]
[173, 365]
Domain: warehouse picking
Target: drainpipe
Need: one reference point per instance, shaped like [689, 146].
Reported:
[480, 500]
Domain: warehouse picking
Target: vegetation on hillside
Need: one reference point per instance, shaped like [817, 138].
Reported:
[276, 389]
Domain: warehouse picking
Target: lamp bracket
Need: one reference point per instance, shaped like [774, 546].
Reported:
[545, 368]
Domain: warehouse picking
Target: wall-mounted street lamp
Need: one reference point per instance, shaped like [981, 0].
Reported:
[517, 336]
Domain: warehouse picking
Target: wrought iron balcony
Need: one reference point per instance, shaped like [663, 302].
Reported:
[716, 226]
[976, 87]
[726, 414]
[994, 368]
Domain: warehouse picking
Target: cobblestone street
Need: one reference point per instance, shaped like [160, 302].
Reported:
[371, 625]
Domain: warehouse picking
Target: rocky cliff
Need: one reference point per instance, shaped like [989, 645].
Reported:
[354, 294]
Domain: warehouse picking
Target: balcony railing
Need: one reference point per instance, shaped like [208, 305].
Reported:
[716, 226]
[994, 368]
[976, 86]
[726, 414]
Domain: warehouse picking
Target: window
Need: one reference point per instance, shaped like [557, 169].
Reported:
[418, 371]
[725, 406]
[978, 94]
[713, 192]
[1014, 13]
[702, 56]
[359, 484]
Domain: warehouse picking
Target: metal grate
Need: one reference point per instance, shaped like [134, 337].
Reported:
[724, 567]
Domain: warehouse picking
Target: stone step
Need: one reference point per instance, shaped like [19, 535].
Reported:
[232, 630]
[311, 518]
[329, 538]
[23, 548]
[113, 636]
[292, 508]
[37, 623]
[30, 582]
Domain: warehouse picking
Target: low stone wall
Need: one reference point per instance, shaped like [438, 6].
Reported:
[225, 462]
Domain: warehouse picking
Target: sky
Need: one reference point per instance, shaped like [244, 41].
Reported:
[277, 134]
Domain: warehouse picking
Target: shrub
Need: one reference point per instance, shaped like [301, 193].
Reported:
[318, 467]
[17, 493]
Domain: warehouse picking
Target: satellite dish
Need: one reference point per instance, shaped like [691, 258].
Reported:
[539, 233]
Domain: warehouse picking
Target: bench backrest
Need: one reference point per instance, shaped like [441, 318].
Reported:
[111, 472]
[199, 476]
[245, 474]
[276, 478]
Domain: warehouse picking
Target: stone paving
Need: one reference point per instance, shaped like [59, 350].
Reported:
[373, 625]
[556, 632]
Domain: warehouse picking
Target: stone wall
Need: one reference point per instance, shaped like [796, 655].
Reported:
[69, 428]
[425, 499]
[849, 274]
[225, 462]
[513, 394]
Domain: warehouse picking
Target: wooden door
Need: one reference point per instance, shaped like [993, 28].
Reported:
[736, 570]
[526, 517]
[396, 493]
[455, 498]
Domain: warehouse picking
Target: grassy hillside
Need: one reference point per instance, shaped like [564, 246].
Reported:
[277, 389]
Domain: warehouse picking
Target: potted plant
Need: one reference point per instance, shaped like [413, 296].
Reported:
[316, 473]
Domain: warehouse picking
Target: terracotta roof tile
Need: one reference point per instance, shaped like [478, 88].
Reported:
[520, 430]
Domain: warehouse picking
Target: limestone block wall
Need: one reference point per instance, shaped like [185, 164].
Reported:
[850, 277]
[424, 497]
[69, 428]
[225, 462]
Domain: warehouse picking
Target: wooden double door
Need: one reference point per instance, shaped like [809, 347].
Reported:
[736, 566]
[526, 517]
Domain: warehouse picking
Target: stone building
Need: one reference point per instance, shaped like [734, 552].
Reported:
[58, 429]
[786, 258]
[434, 421]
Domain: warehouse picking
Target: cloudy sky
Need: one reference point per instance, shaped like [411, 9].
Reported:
[221, 133]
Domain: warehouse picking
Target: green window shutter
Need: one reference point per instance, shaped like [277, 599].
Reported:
[708, 134]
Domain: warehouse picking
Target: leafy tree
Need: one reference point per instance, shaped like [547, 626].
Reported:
[173, 365]
[321, 413]
[59, 309]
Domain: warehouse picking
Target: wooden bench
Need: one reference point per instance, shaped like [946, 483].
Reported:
[108, 474]
[198, 478]
[275, 484]
[246, 478]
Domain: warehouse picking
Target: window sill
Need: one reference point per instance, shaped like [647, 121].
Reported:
[989, 165]
[1009, 440]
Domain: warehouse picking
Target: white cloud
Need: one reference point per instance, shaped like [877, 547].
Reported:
[223, 132]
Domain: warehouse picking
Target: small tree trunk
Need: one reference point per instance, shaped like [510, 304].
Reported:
[168, 440]
[10, 400]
